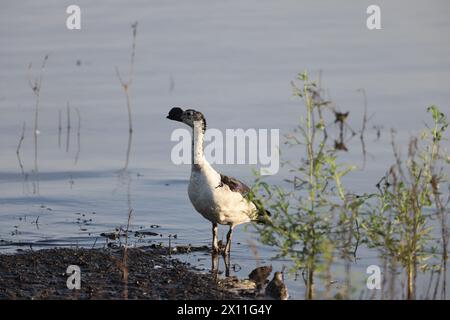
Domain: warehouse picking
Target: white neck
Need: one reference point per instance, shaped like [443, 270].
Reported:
[197, 144]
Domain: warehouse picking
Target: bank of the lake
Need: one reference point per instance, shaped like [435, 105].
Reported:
[151, 275]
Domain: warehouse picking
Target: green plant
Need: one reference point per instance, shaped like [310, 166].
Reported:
[399, 225]
[314, 210]
[316, 220]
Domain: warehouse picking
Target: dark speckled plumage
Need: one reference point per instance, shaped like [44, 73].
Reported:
[234, 184]
[259, 275]
[276, 289]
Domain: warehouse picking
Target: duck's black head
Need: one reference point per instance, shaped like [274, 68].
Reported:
[188, 116]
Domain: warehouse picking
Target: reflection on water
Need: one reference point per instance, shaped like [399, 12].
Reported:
[232, 62]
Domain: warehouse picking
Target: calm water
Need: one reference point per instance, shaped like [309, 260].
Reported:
[231, 60]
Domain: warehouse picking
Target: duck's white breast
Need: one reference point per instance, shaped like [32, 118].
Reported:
[217, 202]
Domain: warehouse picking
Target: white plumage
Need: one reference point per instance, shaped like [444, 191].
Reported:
[217, 204]
[218, 198]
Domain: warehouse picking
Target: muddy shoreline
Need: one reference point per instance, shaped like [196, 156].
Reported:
[151, 275]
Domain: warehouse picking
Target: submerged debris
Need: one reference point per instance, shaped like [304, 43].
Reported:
[111, 235]
[145, 233]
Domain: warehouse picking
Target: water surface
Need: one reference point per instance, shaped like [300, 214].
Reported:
[233, 61]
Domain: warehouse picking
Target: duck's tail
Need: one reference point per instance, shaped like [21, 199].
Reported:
[263, 217]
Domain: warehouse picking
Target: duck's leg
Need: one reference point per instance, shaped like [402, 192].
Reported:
[215, 246]
[215, 265]
[226, 260]
[228, 245]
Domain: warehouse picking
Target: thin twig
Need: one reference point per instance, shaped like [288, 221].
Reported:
[78, 135]
[36, 88]
[126, 86]
[68, 128]
[59, 128]
[363, 128]
[19, 145]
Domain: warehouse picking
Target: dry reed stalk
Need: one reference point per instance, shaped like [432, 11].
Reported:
[59, 128]
[35, 86]
[363, 128]
[126, 86]
[19, 145]
[68, 127]
[78, 135]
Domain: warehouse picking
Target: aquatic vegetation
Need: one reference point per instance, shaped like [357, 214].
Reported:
[316, 209]
[124, 175]
[400, 225]
[317, 219]
[35, 85]
[126, 84]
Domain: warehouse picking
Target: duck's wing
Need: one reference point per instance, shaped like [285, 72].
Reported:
[236, 185]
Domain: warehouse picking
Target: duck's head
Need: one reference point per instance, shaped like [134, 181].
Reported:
[278, 276]
[189, 116]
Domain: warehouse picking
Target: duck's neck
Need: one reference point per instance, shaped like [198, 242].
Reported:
[198, 159]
